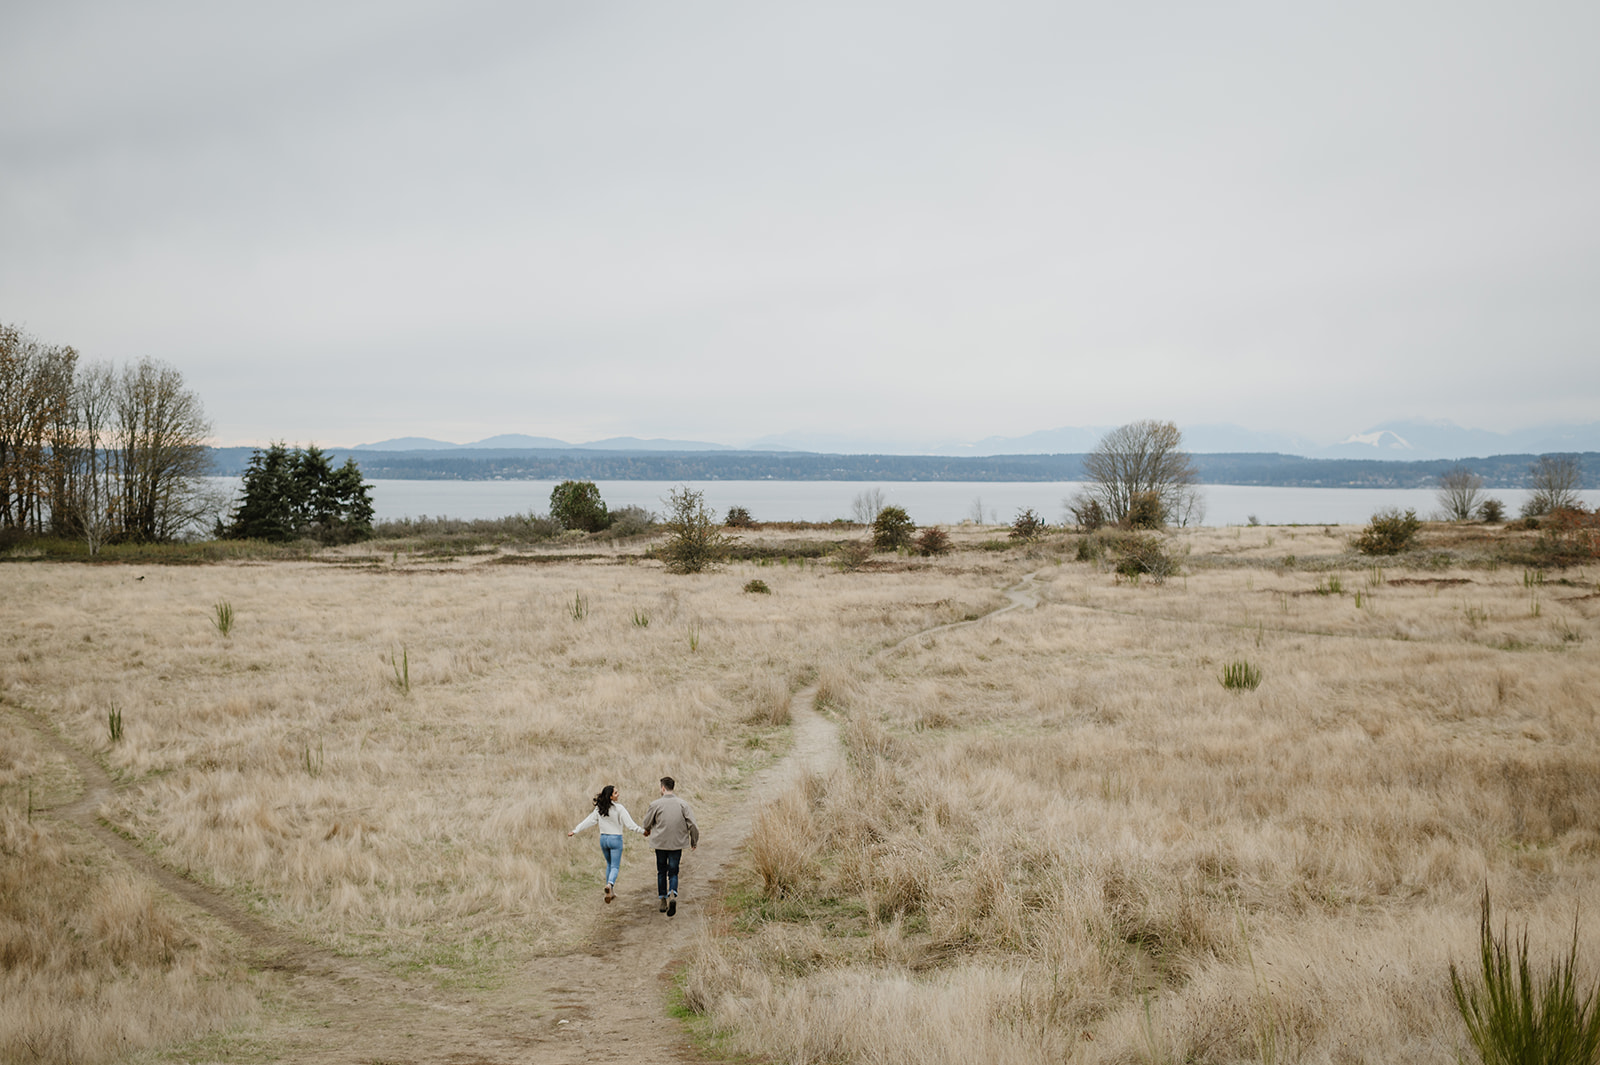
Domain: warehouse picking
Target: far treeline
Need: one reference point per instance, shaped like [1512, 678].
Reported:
[1283, 471]
[92, 454]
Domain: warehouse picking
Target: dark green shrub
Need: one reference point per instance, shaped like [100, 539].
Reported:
[1389, 532]
[1492, 511]
[577, 505]
[1091, 549]
[933, 541]
[1146, 512]
[1028, 527]
[1143, 556]
[738, 518]
[892, 529]
[757, 587]
[1516, 1018]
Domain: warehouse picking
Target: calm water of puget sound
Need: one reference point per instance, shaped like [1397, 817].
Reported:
[928, 502]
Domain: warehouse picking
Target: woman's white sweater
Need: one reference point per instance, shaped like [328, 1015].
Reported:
[610, 824]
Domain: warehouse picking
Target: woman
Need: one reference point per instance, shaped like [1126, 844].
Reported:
[612, 817]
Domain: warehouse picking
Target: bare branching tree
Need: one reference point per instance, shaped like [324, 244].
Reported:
[89, 509]
[866, 505]
[1141, 470]
[35, 405]
[1460, 491]
[161, 433]
[90, 452]
[1555, 480]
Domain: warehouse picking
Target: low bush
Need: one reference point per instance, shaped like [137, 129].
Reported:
[1144, 556]
[738, 518]
[764, 551]
[1389, 532]
[1145, 511]
[757, 587]
[1087, 512]
[694, 542]
[933, 541]
[630, 521]
[1492, 510]
[851, 556]
[892, 529]
[1028, 527]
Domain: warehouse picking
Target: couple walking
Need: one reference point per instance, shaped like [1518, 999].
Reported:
[669, 819]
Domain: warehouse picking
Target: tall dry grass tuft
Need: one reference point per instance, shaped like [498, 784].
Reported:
[92, 965]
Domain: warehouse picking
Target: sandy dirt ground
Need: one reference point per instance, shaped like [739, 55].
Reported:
[606, 1002]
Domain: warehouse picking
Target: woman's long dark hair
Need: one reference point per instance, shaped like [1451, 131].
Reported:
[602, 801]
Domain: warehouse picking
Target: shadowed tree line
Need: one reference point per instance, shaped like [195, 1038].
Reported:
[97, 453]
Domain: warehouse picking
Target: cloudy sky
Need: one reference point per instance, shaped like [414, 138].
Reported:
[720, 221]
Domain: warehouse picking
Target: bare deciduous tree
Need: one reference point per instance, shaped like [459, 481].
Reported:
[89, 452]
[35, 404]
[866, 505]
[1460, 491]
[1555, 480]
[161, 433]
[1140, 462]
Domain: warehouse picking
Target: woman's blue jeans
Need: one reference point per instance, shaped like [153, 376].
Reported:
[611, 848]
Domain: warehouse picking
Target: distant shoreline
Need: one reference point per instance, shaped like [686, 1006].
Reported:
[1254, 469]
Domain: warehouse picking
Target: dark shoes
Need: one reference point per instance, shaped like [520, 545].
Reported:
[609, 893]
[672, 904]
[663, 905]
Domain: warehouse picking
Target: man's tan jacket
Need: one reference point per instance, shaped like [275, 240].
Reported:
[670, 824]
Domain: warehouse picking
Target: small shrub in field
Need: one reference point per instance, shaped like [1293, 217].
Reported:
[892, 529]
[1241, 676]
[694, 543]
[1091, 549]
[1389, 532]
[738, 518]
[851, 556]
[1514, 1017]
[222, 616]
[1140, 556]
[757, 587]
[1146, 512]
[630, 521]
[933, 541]
[1087, 512]
[1028, 527]
[1492, 511]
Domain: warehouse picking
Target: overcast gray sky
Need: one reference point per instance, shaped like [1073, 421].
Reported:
[716, 221]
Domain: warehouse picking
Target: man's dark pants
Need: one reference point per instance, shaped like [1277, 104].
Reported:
[667, 872]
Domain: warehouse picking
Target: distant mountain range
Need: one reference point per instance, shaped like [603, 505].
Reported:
[1400, 441]
[518, 441]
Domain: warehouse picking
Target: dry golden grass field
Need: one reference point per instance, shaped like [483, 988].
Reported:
[338, 832]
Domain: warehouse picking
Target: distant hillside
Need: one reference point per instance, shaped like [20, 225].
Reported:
[537, 464]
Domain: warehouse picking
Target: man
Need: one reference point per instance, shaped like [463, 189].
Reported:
[669, 824]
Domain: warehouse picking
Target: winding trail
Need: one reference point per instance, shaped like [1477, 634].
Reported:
[601, 1003]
